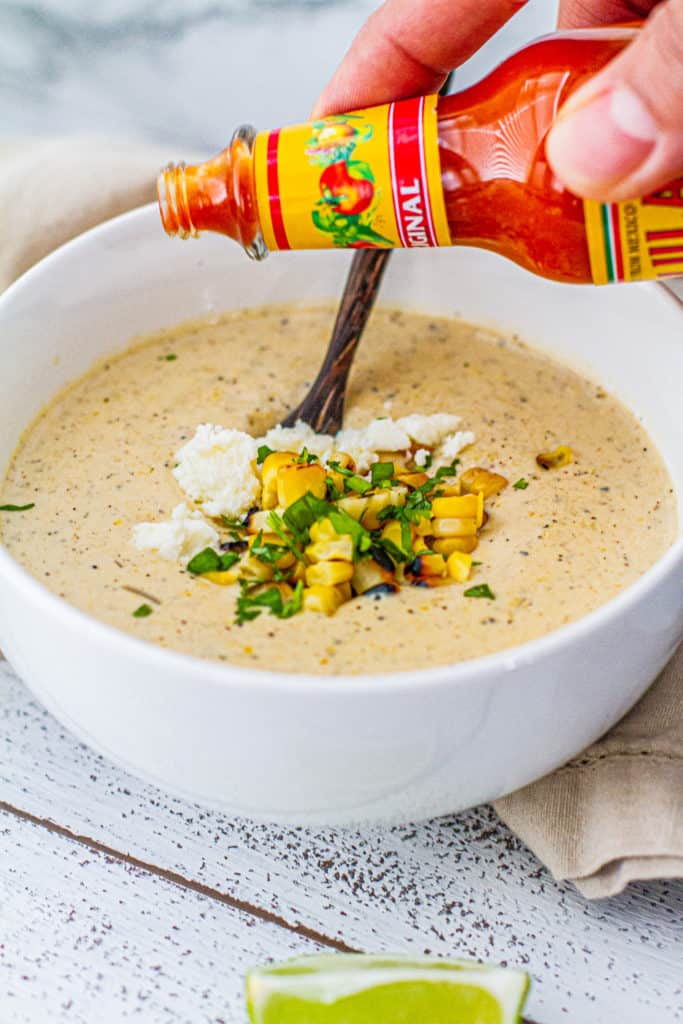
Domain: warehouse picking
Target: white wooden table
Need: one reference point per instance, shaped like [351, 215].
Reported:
[120, 903]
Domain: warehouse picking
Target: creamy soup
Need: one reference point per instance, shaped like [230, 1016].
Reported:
[98, 460]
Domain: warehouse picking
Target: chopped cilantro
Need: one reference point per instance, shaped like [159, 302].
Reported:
[17, 508]
[344, 523]
[381, 474]
[171, 357]
[395, 553]
[305, 458]
[262, 454]
[352, 482]
[521, 484]
[476, 563]
[249, 605]
[429, 458]
[333, 492]
[209, 560]
[270, 554]
[142, 612]
[357, 484]
[481, 590]
[302, 513]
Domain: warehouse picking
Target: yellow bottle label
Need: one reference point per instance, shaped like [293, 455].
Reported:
[365, 180]
[638, 240]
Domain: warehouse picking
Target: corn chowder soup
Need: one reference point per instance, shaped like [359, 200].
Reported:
[480, 495]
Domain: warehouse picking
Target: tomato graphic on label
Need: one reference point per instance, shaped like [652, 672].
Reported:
[350, 193]
[334, 139]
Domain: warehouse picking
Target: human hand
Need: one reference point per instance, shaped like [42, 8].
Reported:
[618, 136]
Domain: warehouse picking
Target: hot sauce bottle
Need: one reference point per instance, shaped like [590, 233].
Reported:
[465, 169]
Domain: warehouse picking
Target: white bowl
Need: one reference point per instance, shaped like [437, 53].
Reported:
[295, 748]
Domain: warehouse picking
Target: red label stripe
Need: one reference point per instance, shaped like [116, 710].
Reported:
[663, 250]
[281, 239]
[616, 238]
[662, 236]
[408, 174]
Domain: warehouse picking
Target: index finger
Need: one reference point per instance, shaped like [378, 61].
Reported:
[586, 13]
[407, 47]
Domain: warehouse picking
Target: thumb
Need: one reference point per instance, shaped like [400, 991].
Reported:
[621, 135]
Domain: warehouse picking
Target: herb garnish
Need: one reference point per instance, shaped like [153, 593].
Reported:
[171, 357]
[352, 482]
[262, 454]
[270, 554]
[305, 458]
[521, 484]
[209, 560]
[249, 605]
[17, 508]
[381, 474]
[481, 590]
[142, 611]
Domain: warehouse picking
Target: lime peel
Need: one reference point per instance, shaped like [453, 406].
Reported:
[354, 988]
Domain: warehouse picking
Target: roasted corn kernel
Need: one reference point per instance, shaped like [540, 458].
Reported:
[339, 549]
[482, 481]
[328, 574]
[269, 470]
[459, 565]
[562, 456]
[446, 545]
[223, 579]
[322, 599]
[367, 573]
[379, 501]
[295, 481]
[453, 527]
[467, 506]
[426, 565]
[353, 506]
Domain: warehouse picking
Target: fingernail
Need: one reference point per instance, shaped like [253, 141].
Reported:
[602, 141]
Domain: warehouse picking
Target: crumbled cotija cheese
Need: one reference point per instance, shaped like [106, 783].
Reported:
[182, 537]
[429, 430]
[454, 444]
[215, 468]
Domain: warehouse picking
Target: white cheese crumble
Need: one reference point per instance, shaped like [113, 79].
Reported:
[429, 430]
[180, 538]
[215, 467]
[421, 457]
[455, 443]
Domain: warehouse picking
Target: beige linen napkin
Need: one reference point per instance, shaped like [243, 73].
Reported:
[614, 814]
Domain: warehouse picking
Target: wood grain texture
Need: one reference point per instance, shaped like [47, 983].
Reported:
[87, 938]
[457, 886]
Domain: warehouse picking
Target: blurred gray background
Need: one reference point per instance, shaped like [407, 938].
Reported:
[185, 72]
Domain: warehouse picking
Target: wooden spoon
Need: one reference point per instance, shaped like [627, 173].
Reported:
[323, 406]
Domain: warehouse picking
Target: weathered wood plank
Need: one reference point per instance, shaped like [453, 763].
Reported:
[86, 937]
[462, 886]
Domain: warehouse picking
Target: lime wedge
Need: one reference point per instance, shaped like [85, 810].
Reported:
[358, 989]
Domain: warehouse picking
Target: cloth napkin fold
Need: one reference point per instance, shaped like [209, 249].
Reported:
[612, 815]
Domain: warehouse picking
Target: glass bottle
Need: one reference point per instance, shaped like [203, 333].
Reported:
[465, 169]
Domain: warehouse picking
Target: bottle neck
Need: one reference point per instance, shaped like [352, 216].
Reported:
[217, 195]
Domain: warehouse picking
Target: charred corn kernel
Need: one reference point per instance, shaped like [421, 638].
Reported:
[427, 565]
[451, 490]
[345, 461]
[562, 456]
[253, 569]
[269, 470]
[328, 574]
[295, 481]
[322, 530]
[447, 545]
[344, 591]
[353, 506]
[423, 527]
[482, 481]
[453, 527]
[379, 501]
[340, 549]
[322, 599]
[459, 565]
[466, 507]
[412, 480]
[259, 522]
[223, 579]
[393, 532]
[420, 546]
[367, 574]
[298, 573]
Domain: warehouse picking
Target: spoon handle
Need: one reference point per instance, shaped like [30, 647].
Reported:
[323, 406]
